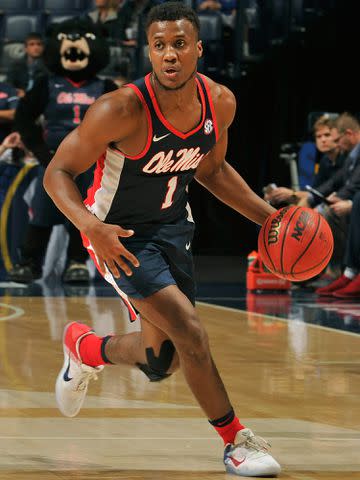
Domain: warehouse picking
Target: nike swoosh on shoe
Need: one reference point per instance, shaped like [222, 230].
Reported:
[66, 373]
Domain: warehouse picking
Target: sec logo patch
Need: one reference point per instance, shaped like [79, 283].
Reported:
[208, 126]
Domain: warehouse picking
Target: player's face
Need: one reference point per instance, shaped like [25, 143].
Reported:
[174, 50]
[324, 140]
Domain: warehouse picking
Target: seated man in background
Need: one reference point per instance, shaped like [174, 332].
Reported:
[130, 13]
[23, 73]
[332, 160]
[347, 285]
[341, 187]
[106, 14]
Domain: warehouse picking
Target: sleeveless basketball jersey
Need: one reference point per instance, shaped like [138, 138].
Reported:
[151, 188]
[68, 102]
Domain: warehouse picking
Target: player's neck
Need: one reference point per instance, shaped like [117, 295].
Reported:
[171, 99]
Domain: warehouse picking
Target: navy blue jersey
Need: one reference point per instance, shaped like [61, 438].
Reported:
[151, 188]
[66, 106]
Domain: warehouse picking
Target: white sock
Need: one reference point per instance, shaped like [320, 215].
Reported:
[350, 272]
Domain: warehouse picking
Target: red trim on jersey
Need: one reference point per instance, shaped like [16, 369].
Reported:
[212, 108]
[76, 84]
[163, 119]
[87, 245]
[98, 174]
[150, 129]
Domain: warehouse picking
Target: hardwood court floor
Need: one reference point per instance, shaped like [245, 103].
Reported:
[295, 384]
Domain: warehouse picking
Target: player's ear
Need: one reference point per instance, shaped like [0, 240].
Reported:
[200, 48]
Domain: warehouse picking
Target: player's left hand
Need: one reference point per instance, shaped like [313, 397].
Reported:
[110, 252]
[341, 208]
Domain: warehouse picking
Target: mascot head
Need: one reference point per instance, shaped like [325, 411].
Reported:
[76, 49]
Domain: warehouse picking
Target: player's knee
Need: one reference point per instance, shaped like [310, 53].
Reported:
[162, 366]
[194, 343]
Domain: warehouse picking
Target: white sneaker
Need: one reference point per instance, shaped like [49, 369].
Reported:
[249, 457]
[73, 379]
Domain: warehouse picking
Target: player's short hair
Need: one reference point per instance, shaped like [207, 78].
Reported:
[172, 11]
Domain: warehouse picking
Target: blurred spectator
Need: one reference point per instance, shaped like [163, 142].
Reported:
[226, 7]
[13, 150]
[121, 73]
[23, 73]
[130, 13]
[348, 284]
[332, 160]
[60, 99]
[341, 187]
[106, 13]
[8, 103]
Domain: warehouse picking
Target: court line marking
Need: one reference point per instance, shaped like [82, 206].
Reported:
[107, 438]
[273, 437]
[272, 317]
[18, 312]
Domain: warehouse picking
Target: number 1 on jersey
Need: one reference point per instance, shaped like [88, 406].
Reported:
[76, 118]
[171, 187]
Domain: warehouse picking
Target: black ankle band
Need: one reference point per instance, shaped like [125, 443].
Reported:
[223, 421]
[103, 344]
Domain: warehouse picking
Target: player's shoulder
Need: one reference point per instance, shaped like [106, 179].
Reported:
[121, 103]
[224, 101]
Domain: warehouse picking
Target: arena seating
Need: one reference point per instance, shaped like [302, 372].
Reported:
[15, 27]
[211, 32]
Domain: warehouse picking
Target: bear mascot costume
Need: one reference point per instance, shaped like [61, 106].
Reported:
[75, 52]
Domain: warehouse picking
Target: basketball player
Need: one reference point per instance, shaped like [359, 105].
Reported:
[151, 138]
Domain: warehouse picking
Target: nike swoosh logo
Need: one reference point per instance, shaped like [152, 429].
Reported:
[58, 85]
[187, 246]
[237, 462]
[157, 139]
[66, 373]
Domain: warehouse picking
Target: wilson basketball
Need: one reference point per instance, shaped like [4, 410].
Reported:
[295, 243]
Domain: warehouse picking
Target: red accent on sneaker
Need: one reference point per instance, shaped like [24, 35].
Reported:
[337, 284]
[351, 290]
[228, 433]
[237, 462]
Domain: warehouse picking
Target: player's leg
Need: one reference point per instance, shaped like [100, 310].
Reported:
[171, 311]
[151, 350]
[85, 354]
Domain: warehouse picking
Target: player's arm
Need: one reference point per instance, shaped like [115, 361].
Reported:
[221, 179]
[108, 119]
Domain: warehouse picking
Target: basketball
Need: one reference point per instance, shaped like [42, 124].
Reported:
[295, 243]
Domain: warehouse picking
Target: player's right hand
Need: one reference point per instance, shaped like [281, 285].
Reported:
[110, 252]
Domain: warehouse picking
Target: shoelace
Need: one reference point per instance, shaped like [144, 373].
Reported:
[255, 442]
[85, 379]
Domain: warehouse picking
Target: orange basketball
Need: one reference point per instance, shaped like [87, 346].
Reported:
[295, 243]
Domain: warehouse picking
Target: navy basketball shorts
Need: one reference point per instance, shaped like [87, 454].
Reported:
[164, 253]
